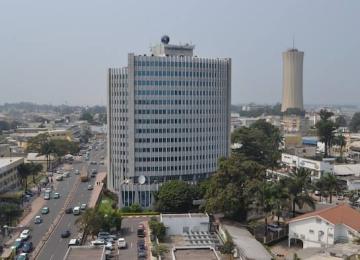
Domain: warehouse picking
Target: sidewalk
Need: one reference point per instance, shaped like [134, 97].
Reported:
[97, 189]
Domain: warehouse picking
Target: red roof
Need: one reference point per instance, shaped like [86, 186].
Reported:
[340, 214]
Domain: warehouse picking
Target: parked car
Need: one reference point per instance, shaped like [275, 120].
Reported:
[38, 220]
[109, 246]
[65, 234]
[77, 172]
[74, 242]
[76, 211]
[17, 244]
[97, 242]
[27, 247]
[83, 206]
[22, 256]
[59, 178]
[68, 211]
[56, 195]
[90, 187]
[274, 228]
[25, 234]
[121, 243]
[341, 197]
[45, 210]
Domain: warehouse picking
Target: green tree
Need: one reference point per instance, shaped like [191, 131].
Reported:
[90, 220]
[228, 249]
[175, 196]
[24, 170]
[299, 185]
[331, 184]
[232, 187]
[157, 229]
[9, 212]
[35, 169]
[159, 250]
[325, 129]
[354, 124]
[260, 142]
[340, 121]
[87, 116]
[340, 141]
[41, 144]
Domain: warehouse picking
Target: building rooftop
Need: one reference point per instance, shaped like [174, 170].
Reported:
[198, 254]
[347, 169]
[6, 161]
[186, 215]
[340, 214]
[85, 252]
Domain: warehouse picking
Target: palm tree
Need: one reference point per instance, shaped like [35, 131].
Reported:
[299, 185]
[325, 129]
[341, 142]
[331, 184]
[36, 168]
[320, 186]
[24, 170]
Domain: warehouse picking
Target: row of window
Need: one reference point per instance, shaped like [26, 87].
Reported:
[177, 64]
[168, 73]
[175, 102]
[173, 130]
[167, 92]
[175, 111]
[172, 140]
[175, 158]
[174, 168]
[184, 83]
[161, 121]
[174, 149]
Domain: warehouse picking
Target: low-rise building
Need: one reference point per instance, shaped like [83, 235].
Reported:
[321, 228]
[317, 168]
[4, 150]
[178, 224]
[9, 179]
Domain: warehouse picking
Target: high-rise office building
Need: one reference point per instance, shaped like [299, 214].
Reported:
[292, 80]
[168, 118]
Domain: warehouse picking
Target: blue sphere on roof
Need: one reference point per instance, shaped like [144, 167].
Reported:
[165, 39]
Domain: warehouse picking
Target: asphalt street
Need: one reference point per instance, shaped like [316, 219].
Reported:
[55, 248]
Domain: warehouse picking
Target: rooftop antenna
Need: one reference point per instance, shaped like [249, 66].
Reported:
[293, 42]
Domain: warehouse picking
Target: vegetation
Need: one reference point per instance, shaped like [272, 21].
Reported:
[95, 220]
[328, 185]
[87, 116]
[325, 130]
[340, 141]
[27, 169]
[354, 124]
[175, 197]
[159, 250]
[340, 121]
[9, 212]
[157, 228]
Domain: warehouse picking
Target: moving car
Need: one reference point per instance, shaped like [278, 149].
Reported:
[25, 234]
[27, 247]
[141, 231]
[83, 206]
[68, 211]
[56, 195]
[90, 187]
[46, 195]
[65, 234]
[109, 246]
[121, 243]
[59, 178]
[45, 210]
[76, 211]
[38, 220]
[66, 174]
[77, 172]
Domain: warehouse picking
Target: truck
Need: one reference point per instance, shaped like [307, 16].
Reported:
[84, 175]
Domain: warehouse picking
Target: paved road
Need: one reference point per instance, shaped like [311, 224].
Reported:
[129, 228]
[55, 248]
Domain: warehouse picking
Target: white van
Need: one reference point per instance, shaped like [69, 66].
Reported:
[76, 211]
[73, 242]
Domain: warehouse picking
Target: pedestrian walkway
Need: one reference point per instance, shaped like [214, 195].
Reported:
[98, 186]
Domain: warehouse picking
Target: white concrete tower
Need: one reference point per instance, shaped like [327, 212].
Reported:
[292, 80]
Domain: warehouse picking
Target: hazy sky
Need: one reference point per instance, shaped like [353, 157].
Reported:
[58, 51]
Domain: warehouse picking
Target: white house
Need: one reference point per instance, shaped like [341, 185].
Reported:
[321, 228]
[317, 168]
[178, 224]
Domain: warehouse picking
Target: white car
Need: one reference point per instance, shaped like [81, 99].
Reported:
[25, 234]
[76, 211]
[97, 242]
[108, 246]
[59, 178]
[121, 242]
[83, 206]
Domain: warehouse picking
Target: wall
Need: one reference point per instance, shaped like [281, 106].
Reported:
[301, 230]
[175, 224]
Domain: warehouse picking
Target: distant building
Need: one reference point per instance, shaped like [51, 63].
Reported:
[5, 150]
[321, 228]
[168, 119]
[292, 80]
[9, 180]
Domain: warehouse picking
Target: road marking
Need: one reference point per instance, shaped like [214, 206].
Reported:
[52, 256]
[131, 245]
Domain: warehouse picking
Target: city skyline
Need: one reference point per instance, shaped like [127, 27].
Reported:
[70, 56]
